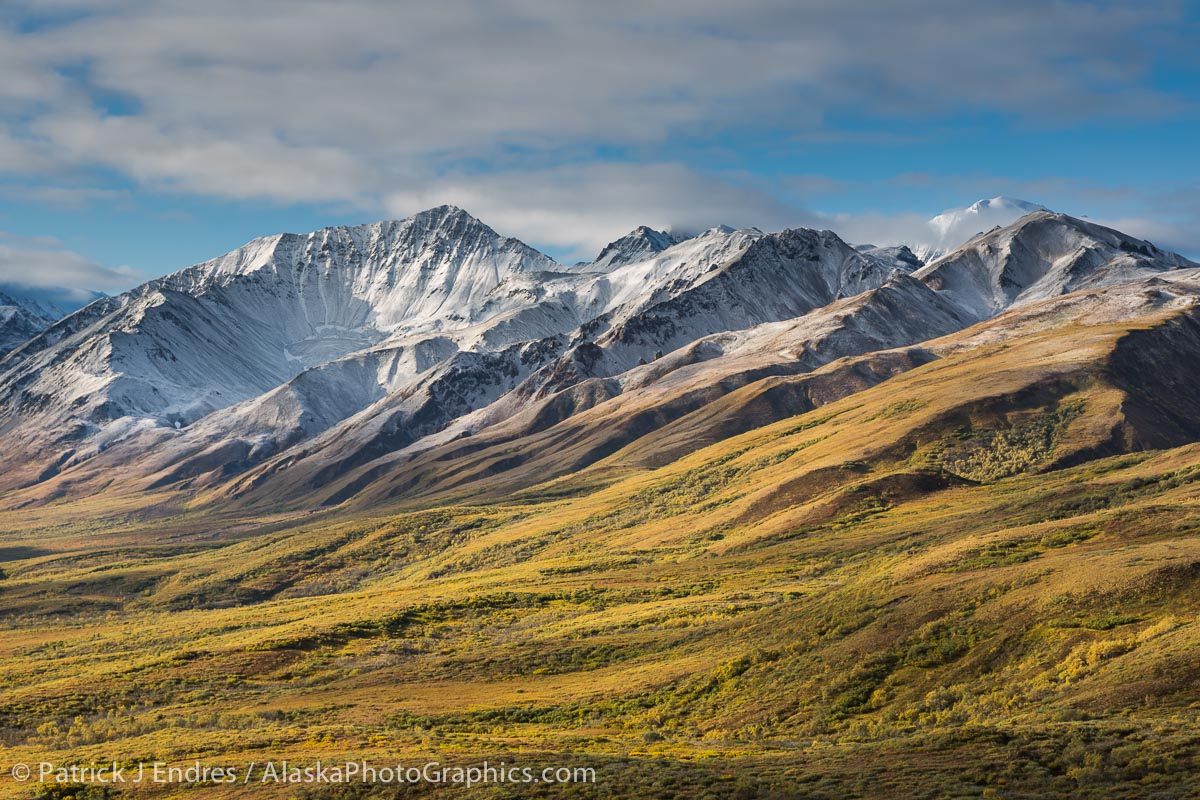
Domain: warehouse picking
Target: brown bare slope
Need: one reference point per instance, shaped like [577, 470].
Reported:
[1134, 349]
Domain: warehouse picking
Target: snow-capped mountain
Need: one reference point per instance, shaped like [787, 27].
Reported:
[714, 388]
[898, 257]
[306, 330]
[176, 349]
[27, 311]
[1041, 255]
[19, 323]
[637, 245]
[775, 277]
[956, 226]
[887, 314]
[721, 280]
[333, 353]
[231, 328]
[572, 327]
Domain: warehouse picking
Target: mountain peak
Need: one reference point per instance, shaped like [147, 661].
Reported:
[899, 257]
[443, 213]
[956, 226]
[982, 215]
[1004, 202]
[450, 220]
[641, 243]
[1042, 254]
[444, 208]
[444, 235]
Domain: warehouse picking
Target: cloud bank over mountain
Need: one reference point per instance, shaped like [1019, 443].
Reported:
[547, 118]
[36, 263]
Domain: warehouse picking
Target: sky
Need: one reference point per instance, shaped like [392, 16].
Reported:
[137, 138]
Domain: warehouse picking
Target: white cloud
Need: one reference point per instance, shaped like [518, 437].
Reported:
[43, 263]
[508, 109]
[1181, 237]
[253, 167]
[67, 197]
[581, 208]
[301, 100]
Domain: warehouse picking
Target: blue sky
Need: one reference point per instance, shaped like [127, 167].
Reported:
[139, 137]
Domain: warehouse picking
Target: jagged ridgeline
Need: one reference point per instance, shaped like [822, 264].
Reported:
[721, 514]
[303, 368]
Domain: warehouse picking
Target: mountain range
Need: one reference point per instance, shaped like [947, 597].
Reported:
[952, 227]
[310, 366]
[25, 311]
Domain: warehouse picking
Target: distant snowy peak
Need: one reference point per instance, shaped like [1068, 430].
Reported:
[957, 226]
[897, 258]
[27, 311]
[637, 245]
[38, 310]
[982, 215]
[1040, 256]
[51, 302]
[18, 324]
[441, 234]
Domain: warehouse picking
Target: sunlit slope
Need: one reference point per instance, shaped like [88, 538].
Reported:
[991, 558]
[449, 354]
[589, 437]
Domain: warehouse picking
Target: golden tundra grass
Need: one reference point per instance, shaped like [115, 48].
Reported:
[904, 593]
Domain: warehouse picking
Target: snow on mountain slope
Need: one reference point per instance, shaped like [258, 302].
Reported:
[706, 400]
[472, 392]
[411, 385]
[431, 271]
[18, 323]
[721, 280]
[899, 257]
[637, 245]
[956, 226]
[327, 352]
[291, 334]
[774, 277]
[453, 388]
[1052, 254]
[27, 311]
[1039, 256]
[397, 390]
[901, 312]
[231, 329]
